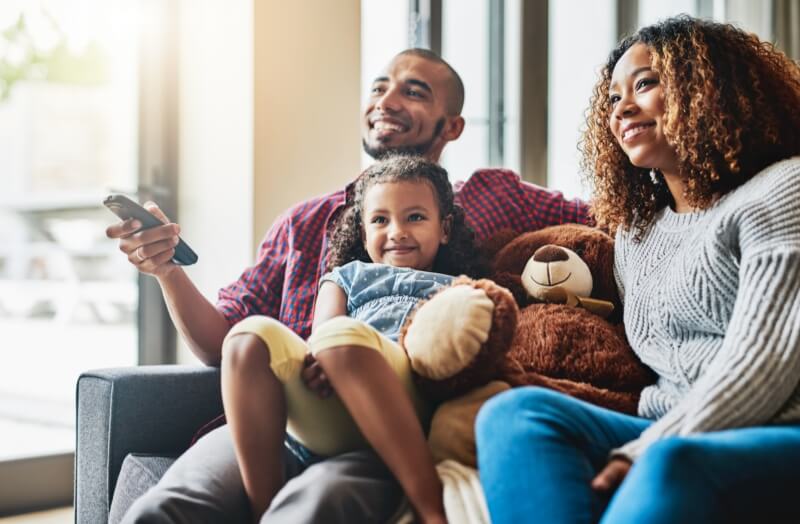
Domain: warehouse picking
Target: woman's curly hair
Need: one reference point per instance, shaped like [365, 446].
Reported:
[459, 256]
[732, 107]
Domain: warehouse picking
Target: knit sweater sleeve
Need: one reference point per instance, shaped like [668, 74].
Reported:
[757, 368]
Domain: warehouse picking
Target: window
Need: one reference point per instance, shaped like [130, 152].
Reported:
[70, 121]
[483, 40]
[68, 134]
[480, 39]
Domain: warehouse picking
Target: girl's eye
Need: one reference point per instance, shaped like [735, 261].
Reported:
[613, 99]
[416, 217]
[378, 220]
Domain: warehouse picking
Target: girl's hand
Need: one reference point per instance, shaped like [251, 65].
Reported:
[315, 378]
[608, 480]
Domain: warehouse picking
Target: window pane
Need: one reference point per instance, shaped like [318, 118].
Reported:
[573, 68]
[469, 152]
[384, 33]
[465, 45]
[513, 82]
[651, 11]
[68, 135]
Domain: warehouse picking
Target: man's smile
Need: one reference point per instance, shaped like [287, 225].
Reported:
[385, 126]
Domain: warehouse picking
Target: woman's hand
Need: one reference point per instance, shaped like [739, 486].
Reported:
[315, 378]
[608, 480]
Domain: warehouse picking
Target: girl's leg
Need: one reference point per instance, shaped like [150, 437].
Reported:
[372, 377]
[740, 475]
[255, 403]
[538, 451]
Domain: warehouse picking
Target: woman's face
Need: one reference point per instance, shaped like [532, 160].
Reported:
[636, 96]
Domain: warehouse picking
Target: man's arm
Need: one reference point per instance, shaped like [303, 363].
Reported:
[197, 320]
[201, 325]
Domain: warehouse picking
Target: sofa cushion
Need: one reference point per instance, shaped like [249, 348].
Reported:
[139, 473]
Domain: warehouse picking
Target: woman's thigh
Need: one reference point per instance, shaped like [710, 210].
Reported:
[538, 451]
[739, 475]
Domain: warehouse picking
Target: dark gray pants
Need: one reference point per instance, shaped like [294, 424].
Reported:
[204, 486]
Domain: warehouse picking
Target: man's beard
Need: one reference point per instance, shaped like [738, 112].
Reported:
[381, 151]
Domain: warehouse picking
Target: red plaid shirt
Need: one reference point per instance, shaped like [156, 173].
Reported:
[283, 282]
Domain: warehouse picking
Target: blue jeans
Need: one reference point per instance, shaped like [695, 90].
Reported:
[538, 451]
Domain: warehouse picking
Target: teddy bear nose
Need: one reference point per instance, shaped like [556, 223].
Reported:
[550, 253]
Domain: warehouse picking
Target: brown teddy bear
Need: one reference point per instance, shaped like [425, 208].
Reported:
[549, 316]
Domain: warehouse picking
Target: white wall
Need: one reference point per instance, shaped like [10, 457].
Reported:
[269, 116]
[216, 141]
[306, 102]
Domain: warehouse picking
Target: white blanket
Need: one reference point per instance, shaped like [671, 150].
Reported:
[463, 496]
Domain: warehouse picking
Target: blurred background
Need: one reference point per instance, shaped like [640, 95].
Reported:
[225, 113]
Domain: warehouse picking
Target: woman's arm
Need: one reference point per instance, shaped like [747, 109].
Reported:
[757, 369]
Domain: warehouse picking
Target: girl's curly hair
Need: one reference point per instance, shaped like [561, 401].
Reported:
[732, 107]
[459, 256]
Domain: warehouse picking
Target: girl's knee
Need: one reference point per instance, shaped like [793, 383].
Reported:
[244, 350]
[342, 333]
[260, 339]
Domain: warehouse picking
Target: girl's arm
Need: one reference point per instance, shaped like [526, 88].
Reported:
[331, 302]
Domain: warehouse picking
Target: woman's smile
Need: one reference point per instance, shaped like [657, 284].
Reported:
[634, 130]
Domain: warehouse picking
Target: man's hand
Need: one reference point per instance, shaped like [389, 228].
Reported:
[151, 250]
[608, 480]
[314, 377]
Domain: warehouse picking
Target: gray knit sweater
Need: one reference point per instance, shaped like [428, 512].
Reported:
[712, 305]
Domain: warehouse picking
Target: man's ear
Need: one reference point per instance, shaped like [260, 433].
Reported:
[453, 127]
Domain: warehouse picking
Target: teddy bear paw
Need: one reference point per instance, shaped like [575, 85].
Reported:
[447, 331]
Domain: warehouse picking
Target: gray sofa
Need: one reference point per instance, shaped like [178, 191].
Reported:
[135, 421]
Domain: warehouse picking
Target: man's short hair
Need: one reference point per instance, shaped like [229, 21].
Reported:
[455, 102]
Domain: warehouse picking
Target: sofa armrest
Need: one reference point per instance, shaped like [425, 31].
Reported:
[146, 409]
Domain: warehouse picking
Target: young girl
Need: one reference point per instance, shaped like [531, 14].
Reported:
[398, 241]
[693, 147]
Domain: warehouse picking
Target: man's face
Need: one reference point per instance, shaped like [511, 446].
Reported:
[406, 110]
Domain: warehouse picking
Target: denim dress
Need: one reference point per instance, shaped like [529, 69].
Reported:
[383, 296]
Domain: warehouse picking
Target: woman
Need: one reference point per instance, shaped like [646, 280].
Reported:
[690, 142]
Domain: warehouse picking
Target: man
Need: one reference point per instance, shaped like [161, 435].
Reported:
[414, 107]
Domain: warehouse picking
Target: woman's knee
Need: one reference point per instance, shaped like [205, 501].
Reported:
[673, 461]
[534, 405]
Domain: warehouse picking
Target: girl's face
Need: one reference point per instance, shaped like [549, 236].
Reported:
[402, 224]
[636, 96]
